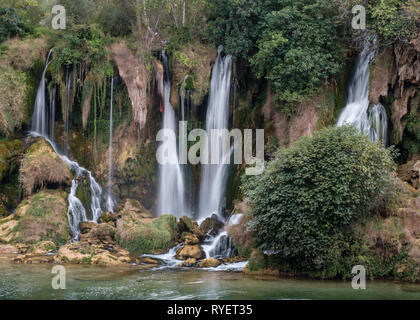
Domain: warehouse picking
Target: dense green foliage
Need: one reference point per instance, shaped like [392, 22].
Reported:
[394, 20]
[296, 43]
[307, 198]
[11, 24]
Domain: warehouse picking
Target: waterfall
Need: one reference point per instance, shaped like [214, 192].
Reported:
[39, 118]
[110, 201]
[357, 110]
[67, 111]
[214, 176]
[378, 121]
[171, 194]
[76, 211]
[52, 112]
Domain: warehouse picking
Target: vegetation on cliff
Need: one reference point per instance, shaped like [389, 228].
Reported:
[307, 198]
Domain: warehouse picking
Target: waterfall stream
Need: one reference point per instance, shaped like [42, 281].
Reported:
[110, 203]
[214, 176]
[171, 194]
[76, 212]
[373, 121]
[40, 116]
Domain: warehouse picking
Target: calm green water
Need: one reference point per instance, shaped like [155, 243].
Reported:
[88, 282]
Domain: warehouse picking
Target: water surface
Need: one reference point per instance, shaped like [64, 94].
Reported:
[93, 282]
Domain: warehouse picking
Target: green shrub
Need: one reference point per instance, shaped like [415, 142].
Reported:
[11, 24]
[306, 199]
[393, 20]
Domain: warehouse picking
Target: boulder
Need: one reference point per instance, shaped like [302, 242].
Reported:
[212, 225]
[102, 232]
[140, 233]
[107, 217]
[189, 238]
[209, 263]
[148, 260]
[188, 263]
[92, 253]
[187, 225]
[41, 217]
[41, 166]
[189, 251]
[86, 227]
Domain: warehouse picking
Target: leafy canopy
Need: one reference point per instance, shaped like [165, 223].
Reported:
[307, 198]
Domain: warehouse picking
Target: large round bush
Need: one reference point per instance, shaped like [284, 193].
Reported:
[307, 198]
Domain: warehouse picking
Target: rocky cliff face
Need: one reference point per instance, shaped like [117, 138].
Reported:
[395, 82]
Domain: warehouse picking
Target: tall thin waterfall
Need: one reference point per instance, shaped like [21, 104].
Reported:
[40, 115]
[214, 176]
[67, 110]
[53, 93]
[76, 212]
[171, 194]
[110, 201]
[374, 121]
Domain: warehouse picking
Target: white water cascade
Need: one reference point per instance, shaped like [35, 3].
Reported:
[171, 194]
[40, 116]
[373, 121]
[214, 176]
[110, 203]
[76, 212]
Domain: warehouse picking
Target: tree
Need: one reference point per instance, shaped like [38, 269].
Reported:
[306, 199]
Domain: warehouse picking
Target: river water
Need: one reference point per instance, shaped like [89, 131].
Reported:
[130, 282]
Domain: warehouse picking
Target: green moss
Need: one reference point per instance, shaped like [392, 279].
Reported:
[150, 236]
[43, 217]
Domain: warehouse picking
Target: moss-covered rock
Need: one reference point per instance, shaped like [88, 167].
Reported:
[42, 167]
[138, 232]
[42, 217]
[9, 157]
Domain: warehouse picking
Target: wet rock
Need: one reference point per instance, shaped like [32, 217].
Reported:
[189, 238]
[188, 263]
[8, 252]
[209, 263]
[189, 251]
[148, 260]
[212, 225]
[187, 225]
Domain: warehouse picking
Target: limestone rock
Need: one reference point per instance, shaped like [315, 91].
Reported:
[209, 263]
[188, 263]
[187, 225]
[189, 251]
[86, 227]
[212, 225]
[189, 238]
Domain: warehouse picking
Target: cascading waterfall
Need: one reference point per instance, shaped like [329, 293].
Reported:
[40, 115]
[214, 176]
[110, 203]
[378, 121]
[374, 121]
[53, 93]
[171, 195]
[67, 110]
[76, 211]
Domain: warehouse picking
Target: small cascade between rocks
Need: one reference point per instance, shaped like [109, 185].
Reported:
[171, 194]
[214, 176]
[76, 212]
[371, 121]
[110, 203]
